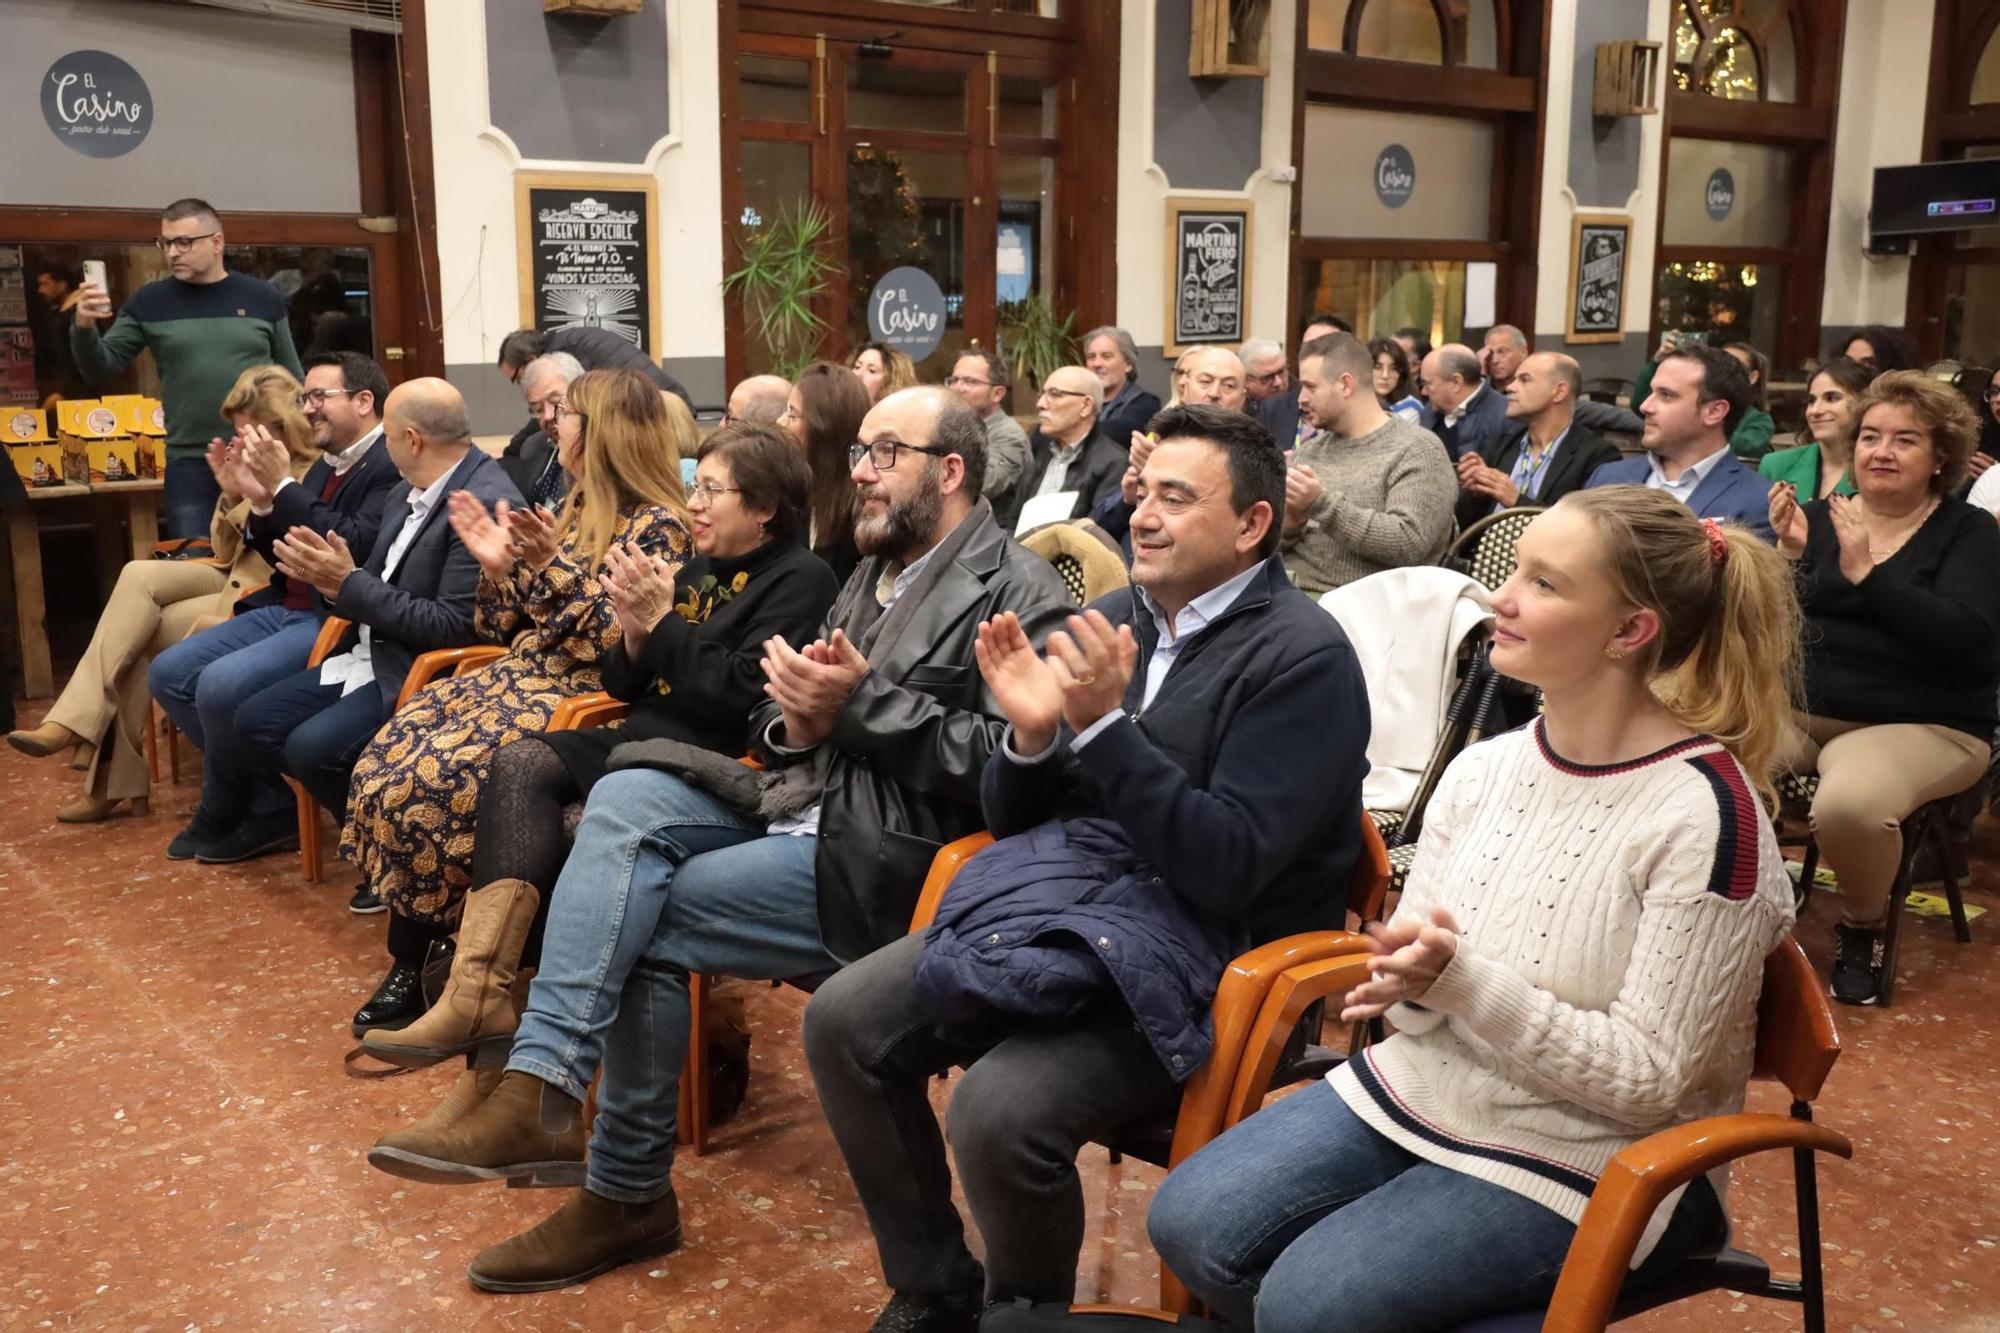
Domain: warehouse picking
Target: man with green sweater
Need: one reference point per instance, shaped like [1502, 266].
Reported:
[205, 326]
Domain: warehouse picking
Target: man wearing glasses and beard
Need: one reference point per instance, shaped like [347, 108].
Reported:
[205, 326]
[873, 739]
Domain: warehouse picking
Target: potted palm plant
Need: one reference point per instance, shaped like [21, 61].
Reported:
[784, 269]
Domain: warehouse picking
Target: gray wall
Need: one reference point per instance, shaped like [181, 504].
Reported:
[497, 408]
[228, 91]
[1604, 154]
[1207, 133]
[577, 89]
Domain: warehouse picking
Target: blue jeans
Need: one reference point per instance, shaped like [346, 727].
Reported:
[1304, 1218]
[664, 880]
[311, 731]
[203, 679]
[188, 501]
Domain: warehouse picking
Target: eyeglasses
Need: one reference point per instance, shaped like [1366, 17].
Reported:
[1269, 376]
[565, 410]
[318, 397]
[1992, 393]
[554, 405]
[966, 382]
[1062, 393]
[882, 453]
[706, 491]
[180, 245]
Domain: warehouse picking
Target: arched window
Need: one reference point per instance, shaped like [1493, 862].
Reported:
[1738, 50]
[1422, 32]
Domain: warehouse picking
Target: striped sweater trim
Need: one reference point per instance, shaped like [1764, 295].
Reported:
[1692, 745]
[1405, 1118]
[1734, 874]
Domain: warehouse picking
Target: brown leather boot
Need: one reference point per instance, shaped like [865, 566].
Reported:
[467, 1091]
[45, 740]
[95, 810]
[472, 1017]
[499, 1139]
[588, 1235]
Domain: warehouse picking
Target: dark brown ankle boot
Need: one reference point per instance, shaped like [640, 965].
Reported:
[500, 1139]
[588, 1235]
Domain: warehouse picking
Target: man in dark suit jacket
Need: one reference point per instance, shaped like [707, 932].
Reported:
[1465, 412]
[414, 593]
[1699, 396]
[1546, 455]
[201, 680]
[1068, 453]
[595, 349]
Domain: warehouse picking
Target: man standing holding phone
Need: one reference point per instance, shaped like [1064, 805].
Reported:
[205, 326]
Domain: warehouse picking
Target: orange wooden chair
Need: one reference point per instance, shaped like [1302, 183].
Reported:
[427, 668]
[1237, 999]
[1796, 1046]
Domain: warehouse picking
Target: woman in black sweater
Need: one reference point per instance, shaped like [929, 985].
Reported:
[1902, 645]
[688, 665]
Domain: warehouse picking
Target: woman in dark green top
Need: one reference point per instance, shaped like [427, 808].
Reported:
[1820, 469]
[1752, 437]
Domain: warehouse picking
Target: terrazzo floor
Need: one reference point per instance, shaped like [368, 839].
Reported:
[180, 1150]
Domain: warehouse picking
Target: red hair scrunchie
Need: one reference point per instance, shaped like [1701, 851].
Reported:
[1718, 544]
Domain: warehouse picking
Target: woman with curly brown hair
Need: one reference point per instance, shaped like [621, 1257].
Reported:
[1902, 646]
[102, 716]
[415, 790]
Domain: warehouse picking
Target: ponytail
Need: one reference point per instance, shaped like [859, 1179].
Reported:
[1726, 660]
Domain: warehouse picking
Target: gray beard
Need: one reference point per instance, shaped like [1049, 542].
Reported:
[907, 525]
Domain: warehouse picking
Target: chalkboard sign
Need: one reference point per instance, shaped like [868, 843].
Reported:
[588, 245]
[1598, 251]
[1208, 274]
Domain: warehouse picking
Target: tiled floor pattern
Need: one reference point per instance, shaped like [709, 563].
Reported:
[179, 1149]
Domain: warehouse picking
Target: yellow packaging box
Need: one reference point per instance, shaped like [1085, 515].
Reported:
[24, 425]
[130, 410]
[37, 464]
[86, 418]
[152, 419]
[120, 459]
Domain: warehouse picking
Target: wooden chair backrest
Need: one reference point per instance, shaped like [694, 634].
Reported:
[329, 639]
[1368, 888]
[1797, 1042]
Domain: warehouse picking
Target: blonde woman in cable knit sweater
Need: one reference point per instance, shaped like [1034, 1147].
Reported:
[1575, 962]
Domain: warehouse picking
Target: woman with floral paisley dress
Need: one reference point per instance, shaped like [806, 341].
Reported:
[687, 660]
[412, 799]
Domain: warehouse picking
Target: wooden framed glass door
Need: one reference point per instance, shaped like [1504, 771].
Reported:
[944, 155]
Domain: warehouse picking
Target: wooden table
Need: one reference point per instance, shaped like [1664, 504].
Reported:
[140, 503]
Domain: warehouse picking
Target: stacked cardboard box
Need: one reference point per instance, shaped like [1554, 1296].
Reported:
[30, 448]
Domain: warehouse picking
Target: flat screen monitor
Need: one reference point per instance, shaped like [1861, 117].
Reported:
[1936, 196]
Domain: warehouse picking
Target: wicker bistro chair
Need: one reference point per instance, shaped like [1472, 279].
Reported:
[1088, 566]
[1486, 549]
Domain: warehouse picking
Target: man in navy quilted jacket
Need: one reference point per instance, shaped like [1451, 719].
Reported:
[1195, 746]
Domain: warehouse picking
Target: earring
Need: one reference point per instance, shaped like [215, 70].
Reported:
[1615, 654]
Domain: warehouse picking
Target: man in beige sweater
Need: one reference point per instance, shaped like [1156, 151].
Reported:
[1367, 491]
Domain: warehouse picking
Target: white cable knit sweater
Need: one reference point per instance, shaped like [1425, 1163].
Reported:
[1613, 926]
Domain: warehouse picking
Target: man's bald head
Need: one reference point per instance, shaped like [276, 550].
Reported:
[1215, 377]
[760, 400]
[1544, 392]
[425, 426]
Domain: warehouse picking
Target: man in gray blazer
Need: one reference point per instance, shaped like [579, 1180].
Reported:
[414, 593]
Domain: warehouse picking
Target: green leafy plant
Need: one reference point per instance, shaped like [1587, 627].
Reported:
[1033, 340]
[784, 269]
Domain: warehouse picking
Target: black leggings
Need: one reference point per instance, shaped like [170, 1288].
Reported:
[519, 830]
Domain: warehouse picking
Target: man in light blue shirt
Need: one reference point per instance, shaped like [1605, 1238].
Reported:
[1698, 396]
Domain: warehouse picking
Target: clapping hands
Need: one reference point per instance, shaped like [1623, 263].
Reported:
[1082, 678]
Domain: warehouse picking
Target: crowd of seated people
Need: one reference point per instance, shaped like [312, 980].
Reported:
[1172, 774]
